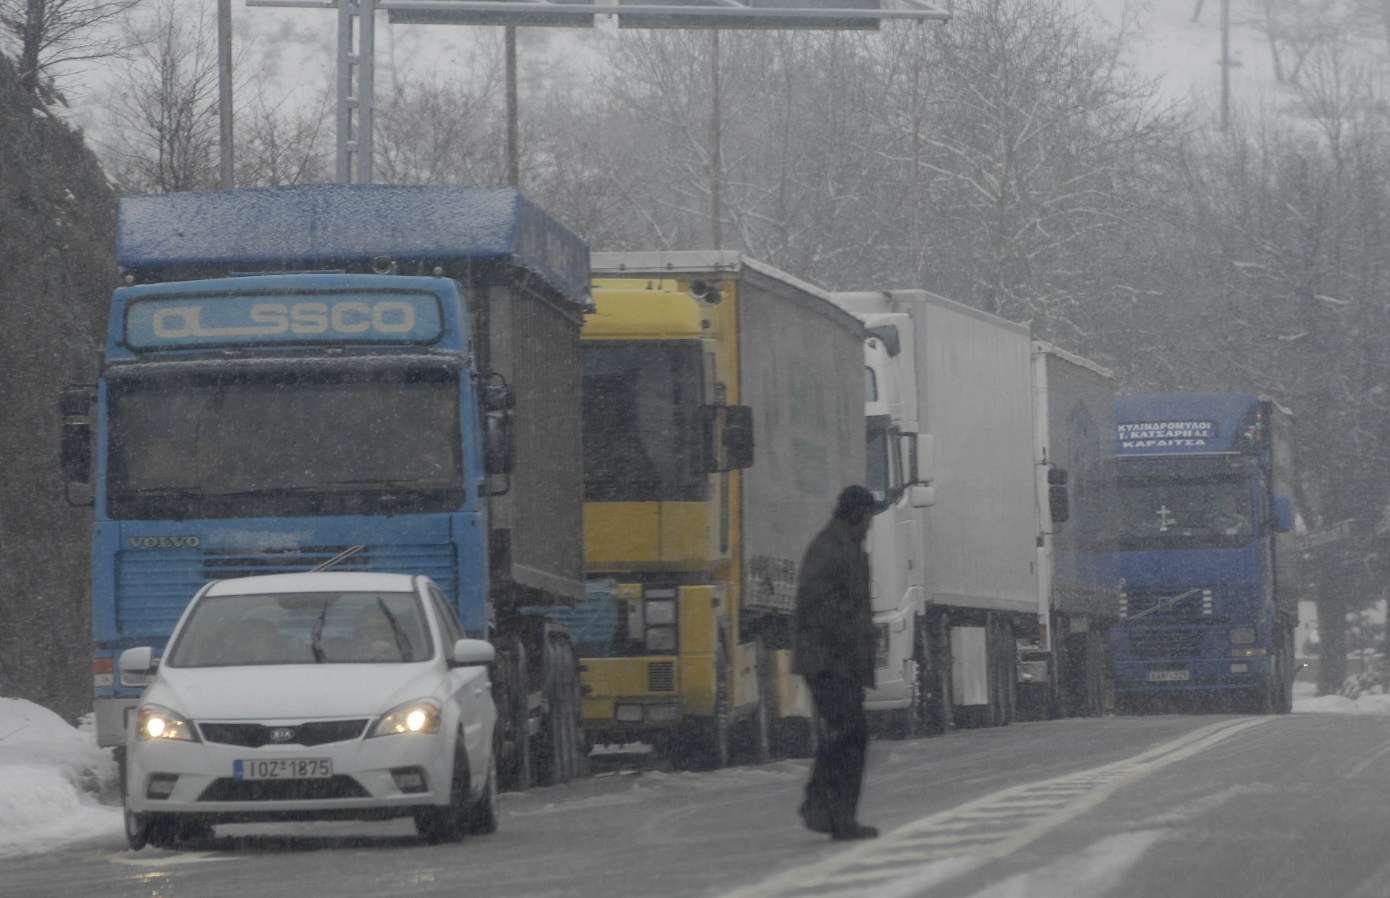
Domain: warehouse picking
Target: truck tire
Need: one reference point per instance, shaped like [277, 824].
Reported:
[717, 728]
[755, 742]
[513, 711]
[935, 653]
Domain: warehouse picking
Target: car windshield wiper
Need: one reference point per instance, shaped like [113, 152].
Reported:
[398, 633]
[316, 638]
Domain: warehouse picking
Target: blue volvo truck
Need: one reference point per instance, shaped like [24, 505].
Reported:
[1199, 532]
[372, 377]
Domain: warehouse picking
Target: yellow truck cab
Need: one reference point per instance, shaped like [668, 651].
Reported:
[692, 539]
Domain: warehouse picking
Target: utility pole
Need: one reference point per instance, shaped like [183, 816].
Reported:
[513, 126]
[716, 161]
[224, 91]
[1225, 65]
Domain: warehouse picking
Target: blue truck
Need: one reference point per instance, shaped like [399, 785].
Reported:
[1199, 532]
[370, 377]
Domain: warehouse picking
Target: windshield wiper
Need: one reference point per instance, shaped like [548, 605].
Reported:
[316, 638]
[398, 633]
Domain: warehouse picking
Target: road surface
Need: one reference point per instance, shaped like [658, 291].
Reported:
[1135, 806]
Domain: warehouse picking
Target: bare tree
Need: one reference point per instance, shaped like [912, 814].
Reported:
[164, 114]
[48, 35]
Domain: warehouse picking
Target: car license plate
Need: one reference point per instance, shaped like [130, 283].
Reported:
[1168, 676]
[283, 769]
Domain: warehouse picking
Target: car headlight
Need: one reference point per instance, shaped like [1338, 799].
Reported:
[419, 716]
[159, 722]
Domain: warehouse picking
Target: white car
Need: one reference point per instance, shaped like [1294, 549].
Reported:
[312, 696]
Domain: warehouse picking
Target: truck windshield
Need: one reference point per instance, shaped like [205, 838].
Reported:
[284, 443]
[884, 461]
[1179, 509]
[643, 429]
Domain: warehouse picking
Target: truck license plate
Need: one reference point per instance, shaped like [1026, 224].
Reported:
[1168, 676]
[283, 769]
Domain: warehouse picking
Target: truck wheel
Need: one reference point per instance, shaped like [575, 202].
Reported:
[513, 718]
[756, 738]
[934, 659]
[717, 729]
[1288, 670]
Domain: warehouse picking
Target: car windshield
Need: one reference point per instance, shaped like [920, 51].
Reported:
[303, 628]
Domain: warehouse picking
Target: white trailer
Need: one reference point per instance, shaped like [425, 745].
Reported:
[954, 548]
[1064, 662]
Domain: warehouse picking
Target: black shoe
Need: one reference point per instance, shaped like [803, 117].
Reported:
[817, 820]
[854, 832]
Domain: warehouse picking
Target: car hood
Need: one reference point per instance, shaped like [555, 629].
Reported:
[293, 691]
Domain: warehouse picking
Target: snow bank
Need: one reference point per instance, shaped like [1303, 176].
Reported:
[51, 775]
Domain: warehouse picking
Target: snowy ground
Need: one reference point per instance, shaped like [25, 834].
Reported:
[54, 779]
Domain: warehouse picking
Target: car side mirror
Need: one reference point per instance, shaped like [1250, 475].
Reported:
[137, 666]
[474, 653]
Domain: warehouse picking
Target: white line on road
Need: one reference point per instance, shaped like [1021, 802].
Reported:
[928, 851]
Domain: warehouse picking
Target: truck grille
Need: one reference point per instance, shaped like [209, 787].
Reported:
[1176, 642]
[153, 586]
[661, 676]
[254, 735]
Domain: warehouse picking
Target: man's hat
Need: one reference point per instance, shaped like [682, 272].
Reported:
[853, 499]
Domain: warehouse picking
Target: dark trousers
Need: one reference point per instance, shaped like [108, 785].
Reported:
[838, 773]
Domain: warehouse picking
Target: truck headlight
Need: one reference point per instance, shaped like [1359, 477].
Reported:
[1242, 635]
[159, 722]
[662, 613]
[661, 639]
[419, 716]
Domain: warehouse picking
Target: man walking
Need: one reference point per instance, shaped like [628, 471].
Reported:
[834, 650]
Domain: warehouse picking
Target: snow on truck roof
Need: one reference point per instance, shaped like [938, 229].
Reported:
[329, 226]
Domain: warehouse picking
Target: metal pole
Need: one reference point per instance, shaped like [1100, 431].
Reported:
[716, 163]
[224, 90]
[513, 129]
[1225, 64]
[356, 87]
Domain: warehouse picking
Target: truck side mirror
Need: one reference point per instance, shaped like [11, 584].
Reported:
[729, 430]
[1058, 499]
[920, 496]
[75, 444]
[499, 443]
[1283, 513]
[77, 452]
[919, 458]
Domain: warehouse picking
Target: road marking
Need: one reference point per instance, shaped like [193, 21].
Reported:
[948, 844]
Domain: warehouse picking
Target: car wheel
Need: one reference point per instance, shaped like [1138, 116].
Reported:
[446, 824]
[136, 825]
[161, 831]
[137, 828]
[482, 816]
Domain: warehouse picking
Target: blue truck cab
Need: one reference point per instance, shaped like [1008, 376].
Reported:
[1199, 533]
[376, 377]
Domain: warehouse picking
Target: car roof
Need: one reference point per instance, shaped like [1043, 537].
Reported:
[316, 581]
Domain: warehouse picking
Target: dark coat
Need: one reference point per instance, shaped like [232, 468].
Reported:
[834, 627]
